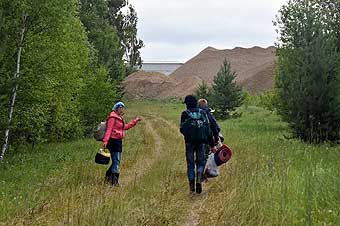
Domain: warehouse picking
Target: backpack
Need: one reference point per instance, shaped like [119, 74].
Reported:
[196, 128]
[99, 131]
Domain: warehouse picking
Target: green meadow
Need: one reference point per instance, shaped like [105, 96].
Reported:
[270, 180]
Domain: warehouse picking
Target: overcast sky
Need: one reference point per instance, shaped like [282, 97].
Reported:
[177, 30]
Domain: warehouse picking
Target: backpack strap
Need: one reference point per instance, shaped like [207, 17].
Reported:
[189, 113]
[205, 115]
[114, 122]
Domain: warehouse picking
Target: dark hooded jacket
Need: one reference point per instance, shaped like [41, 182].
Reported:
[191, 104]
[213, 123]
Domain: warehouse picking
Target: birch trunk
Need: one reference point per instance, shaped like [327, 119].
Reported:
[15, 84]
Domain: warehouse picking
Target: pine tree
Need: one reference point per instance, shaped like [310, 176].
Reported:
[226, 95]
[307, 75]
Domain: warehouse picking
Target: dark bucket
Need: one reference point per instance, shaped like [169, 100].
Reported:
[101, 159]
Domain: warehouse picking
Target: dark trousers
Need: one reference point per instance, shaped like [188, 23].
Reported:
[200, 151]
[115, 147]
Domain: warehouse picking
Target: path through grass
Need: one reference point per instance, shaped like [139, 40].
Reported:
[269, 181]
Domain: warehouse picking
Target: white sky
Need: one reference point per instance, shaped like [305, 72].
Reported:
[177, 30]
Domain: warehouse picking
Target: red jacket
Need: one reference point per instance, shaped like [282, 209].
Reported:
[115, 127]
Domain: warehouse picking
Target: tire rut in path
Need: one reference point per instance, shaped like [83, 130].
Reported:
[141, 167]
[193, 216]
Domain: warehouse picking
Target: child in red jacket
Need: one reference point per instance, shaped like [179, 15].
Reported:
[113, 139]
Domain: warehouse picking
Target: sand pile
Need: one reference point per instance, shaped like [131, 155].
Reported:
[147, 85]
[154, 85]
[254, 68]
[261, 79]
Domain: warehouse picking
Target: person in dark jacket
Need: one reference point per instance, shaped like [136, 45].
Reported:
[193, 148]
[203, 104]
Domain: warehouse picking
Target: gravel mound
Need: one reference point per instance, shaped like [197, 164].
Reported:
[254, 68]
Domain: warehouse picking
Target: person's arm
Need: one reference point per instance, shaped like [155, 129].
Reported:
[132, 123]
[211, 141]
[214, 127]
[109, 126]
[183, 118]
[213, 124]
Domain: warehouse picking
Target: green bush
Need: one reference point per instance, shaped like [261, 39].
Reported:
[97, 99]
[308, 75]
[268, 100]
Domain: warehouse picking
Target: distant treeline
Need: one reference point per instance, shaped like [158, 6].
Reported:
[63, 62]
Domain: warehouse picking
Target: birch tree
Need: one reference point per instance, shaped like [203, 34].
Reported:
[20, 43]
[52, 57]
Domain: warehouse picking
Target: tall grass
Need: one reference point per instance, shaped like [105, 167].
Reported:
[270, 180]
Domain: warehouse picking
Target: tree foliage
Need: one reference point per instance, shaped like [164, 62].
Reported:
[103, 38]
[226, 95]
[71, 68]
[55, 54]
[126, 25]
[203, 91]
[307, 75]
[113, 35]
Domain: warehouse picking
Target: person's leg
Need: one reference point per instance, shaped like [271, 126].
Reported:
[116, 158]
[200, 161]
[108, 175]
[207, 153]
[189, 152]
[115, 146]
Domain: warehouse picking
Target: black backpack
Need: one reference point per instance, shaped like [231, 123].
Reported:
[196, 127]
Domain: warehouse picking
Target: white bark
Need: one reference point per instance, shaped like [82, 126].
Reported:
[15, 82]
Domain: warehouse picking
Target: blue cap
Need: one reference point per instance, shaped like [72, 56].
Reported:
[118, 105]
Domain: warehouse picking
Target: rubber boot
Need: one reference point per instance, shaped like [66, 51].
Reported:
[198, 183]
[198, 188]
[192, 186]
[108, 176]
[199, 177]
[115, 179]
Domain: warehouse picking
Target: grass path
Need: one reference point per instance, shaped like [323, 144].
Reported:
[61, 208]
[196, 201]
[193, 216]
[141, 166]
[76, 205]
[269, 181]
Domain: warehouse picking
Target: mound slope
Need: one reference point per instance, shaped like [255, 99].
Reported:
[254, 68]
